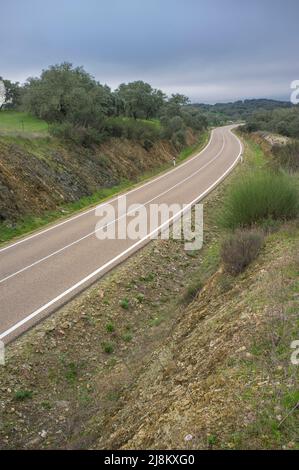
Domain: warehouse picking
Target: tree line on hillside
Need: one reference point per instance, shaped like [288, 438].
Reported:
[79, 108]
[241, 110]
[280, 121]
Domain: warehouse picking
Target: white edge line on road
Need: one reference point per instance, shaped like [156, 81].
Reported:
[63, 248]
[22, 240]
[116, 258]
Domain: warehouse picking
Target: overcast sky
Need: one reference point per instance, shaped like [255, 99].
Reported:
[210, 50]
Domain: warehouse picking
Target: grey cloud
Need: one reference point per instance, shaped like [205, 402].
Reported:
[225, 49]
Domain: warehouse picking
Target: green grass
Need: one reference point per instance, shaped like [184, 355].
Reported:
[22, 395]
[15, 122]
[30, 223]
[207, 267]
[140, 297]
[124, 303]
[108, 347]
[71, 372]
[148, 122]
[260, 196]
[127, 337]
[199, 145]
[193, 288]
[114, 395]
[110, 328]
[156, 321]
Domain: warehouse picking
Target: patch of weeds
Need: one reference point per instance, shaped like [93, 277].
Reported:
[127, 337]
[240, 249]
[270, 225]
[211, 440]
[124, 303]
[90, 320]
[110, 327]
[62, 357]
[21, 395]
[259, 196]
[84, 397]
[46, 405]
[192, 254]
[106, 302]
[140, 297]
[257, 348]
[114, 395]
[291, 399]
[108, 347]
[148, 278]
[71, 373]
[111, 362]
[192, 290]
[156, 321]
[210, 261]
[130, 285]
[225, 282]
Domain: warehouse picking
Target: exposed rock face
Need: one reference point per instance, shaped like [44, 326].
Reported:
[39, 174]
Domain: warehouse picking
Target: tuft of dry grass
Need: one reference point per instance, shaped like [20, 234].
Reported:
[240, 249]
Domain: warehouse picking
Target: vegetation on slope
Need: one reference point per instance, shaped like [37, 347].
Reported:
[281, 121]
[80, 109]
[43, 179]
[127, 365]
[221, 113]
[67, 141]
[260, 196]
[22, 124]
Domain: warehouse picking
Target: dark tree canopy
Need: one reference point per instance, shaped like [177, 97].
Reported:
[64, 93]
[139, 100]
[80, 109]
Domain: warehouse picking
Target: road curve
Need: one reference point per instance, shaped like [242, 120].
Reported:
[42, 271]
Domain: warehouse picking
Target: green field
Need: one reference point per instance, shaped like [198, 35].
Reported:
[15, 122]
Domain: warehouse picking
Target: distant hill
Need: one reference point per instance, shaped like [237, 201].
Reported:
[239, 110]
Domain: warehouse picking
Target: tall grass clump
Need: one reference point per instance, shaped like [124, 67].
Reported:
[260, 196]
[286, 156]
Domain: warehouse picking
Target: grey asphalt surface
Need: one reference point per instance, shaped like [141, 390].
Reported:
[42, 271]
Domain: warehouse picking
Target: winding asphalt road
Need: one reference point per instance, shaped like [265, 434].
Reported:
[42, 271]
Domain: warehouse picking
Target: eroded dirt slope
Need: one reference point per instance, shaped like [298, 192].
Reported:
[40, 174]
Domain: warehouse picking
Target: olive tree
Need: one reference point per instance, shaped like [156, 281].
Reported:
[139, 100]
[64, 93]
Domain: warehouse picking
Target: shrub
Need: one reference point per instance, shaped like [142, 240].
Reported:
[110, 327]
[171, 126]
[240, 249]
[127, 337]
[286, 156]
[71, 372]
[260, 196]
[192, 290]
[124, 303]
[145, 131]
[108, 348]
[85, 136]
[147, 145]
[140, 297]
[179, 139]
[21, 395]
